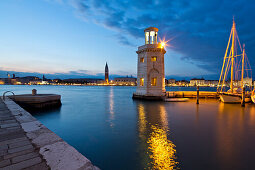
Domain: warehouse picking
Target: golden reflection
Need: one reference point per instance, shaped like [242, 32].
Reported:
[158, 152]
[252, 115]
[162, 150]
[142, 120]
[163, 116]
[230, 125]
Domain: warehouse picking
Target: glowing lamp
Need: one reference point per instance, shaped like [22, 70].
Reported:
[162, 44]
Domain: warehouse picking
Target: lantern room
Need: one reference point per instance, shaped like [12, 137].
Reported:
[151, 34]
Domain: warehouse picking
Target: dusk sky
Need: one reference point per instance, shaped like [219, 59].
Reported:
[77, 37]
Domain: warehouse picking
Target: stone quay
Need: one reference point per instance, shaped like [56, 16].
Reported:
[25, 143]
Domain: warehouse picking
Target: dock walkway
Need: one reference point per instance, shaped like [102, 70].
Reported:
[16, 150]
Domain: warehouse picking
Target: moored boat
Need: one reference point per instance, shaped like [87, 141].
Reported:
[230, 98]
[253, 96]
[234, 57]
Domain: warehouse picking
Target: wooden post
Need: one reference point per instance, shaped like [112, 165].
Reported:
[243, 97]
[197, 94]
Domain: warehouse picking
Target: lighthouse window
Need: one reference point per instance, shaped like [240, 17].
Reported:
[152, 37]
[141, 81]
[154, 58]
[142, 59]
[147, 37]
[154, 81]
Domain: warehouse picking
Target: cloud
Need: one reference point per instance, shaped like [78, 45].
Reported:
[201, 28]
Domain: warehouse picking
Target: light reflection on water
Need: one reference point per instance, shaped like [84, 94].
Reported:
[162, 150]
[116, 132]
[158, 149]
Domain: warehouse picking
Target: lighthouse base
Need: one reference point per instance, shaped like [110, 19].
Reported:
[148, 97]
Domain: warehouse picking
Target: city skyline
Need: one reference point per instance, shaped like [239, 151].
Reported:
[75, 38]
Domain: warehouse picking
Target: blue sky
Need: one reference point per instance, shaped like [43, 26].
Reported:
[77, 37]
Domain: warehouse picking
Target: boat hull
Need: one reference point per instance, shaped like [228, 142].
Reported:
[225, 98]
[253, 98]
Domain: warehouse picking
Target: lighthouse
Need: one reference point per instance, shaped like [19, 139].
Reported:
[150, 67]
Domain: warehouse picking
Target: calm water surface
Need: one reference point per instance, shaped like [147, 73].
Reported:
[116, 132]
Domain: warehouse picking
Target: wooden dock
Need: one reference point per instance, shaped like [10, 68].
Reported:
[192, 94]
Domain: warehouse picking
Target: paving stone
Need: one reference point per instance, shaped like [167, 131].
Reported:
[62, 156]
[3, 147]
[12, 136]
[19, 144]
[5, 163]
[3, 152]
[12, 141]
[40, 166]
[45, 139]
[24, 157]
[7, 118]
[7, 131]
[14, 127]
[9, 121]
[19, 153]
[9, 125]
[8, 156]
[31, 126]
[23, 164]
[18, 149]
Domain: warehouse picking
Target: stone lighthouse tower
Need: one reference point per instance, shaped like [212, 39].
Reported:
[150, 67]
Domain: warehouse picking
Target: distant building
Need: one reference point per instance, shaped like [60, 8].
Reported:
[247, 81]
[197, 82]
[27, 80]
[128, 81]
[211, 83]
[1, 81]
[89, 81]
[57, 81]
[106, 78]
[35, 82]
[171, 82]
[182, 83]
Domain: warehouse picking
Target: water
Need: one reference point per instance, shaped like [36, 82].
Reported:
[116, 132]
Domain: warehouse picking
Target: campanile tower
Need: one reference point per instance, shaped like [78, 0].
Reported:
[106, 73]
[150, 67]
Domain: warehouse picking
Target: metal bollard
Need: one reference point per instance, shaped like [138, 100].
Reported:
[197, 94]
[34, 92]
[243, 97]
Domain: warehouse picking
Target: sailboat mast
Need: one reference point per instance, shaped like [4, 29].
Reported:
[243, 64]
[232, 56]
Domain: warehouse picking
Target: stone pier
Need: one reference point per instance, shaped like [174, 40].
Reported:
[25, 143]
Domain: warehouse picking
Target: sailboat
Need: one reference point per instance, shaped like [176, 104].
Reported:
[234, 55]
[253, 96]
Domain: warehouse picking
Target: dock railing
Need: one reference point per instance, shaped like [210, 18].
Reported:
[7, 92]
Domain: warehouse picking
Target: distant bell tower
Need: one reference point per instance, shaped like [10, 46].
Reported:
[150, 67]
[106, 74]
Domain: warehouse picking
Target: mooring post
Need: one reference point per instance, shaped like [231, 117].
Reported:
[243, 97]
[34, 92]
[197, 94]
